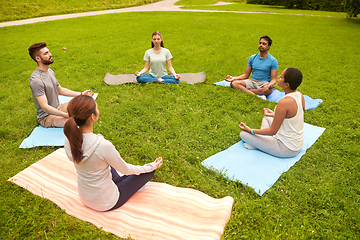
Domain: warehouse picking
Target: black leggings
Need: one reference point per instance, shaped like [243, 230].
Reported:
[128, 185]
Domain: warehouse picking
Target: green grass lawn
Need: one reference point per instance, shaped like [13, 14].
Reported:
[11, 10]
[242, 6]
[317, 198]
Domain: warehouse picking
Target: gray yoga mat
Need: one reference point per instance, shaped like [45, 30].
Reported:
[190, 78]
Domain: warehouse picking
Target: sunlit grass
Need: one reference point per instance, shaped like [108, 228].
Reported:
[11, 10]
[242, 6]
[185, 124]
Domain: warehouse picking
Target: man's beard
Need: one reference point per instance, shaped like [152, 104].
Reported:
[47, 62]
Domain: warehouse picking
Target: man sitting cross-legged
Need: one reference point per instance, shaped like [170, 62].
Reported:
[264, 69]
[46, 89]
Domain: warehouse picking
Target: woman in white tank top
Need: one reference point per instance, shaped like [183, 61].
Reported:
[282, 130]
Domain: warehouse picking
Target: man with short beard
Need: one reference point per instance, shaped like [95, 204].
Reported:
[263, 67]
[45, 89]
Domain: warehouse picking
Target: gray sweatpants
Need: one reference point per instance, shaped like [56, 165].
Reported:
[266, 143]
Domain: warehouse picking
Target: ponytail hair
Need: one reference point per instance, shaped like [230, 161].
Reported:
[79, 109]
[157, 33]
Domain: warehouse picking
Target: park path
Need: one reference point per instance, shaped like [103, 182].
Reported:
[164, 5]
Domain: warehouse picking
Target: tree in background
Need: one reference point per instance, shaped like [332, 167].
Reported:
[352, 7]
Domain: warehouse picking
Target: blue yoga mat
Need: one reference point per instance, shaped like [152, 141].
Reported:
[276, 95]
[255, 168]
[41, 136]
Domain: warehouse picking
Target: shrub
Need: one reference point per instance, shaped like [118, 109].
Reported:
[323, 5]
[352, 7]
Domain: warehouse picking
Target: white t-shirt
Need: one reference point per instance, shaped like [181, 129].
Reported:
[157, 62]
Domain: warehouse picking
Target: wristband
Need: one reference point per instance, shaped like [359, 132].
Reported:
[252, 132]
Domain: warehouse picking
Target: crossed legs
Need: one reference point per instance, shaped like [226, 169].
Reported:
[54, 121]
[128, 185]
[146, 78]
[241, 85]
[267, 144]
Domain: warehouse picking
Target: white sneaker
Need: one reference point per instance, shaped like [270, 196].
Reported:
[248, 146]
[262, 97]
[142, 188]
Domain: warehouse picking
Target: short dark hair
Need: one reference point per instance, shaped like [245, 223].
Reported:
[267, 38]
[34, 49]
[294, 77]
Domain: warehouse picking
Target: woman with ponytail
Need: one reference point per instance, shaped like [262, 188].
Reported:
[97, 161]
[157, 57]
